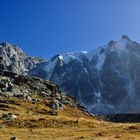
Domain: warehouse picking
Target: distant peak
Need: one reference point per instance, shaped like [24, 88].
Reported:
[4, 44]
[111, 43]
[125, 37]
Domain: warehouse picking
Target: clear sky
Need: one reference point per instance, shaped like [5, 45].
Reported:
[47, 27]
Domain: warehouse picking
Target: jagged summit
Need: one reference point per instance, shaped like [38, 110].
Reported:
[14, 59]
[98, 53]
[126, 37]
[9, 46]
[3, 44]
[123, 37]
[120, 45]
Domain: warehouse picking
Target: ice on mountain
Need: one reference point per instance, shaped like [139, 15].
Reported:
[61, 57]
[84, 52]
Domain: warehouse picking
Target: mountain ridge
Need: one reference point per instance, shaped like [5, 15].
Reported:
[104, 79]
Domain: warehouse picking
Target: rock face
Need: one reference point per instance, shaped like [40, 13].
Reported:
[14, 59]
[106, 80]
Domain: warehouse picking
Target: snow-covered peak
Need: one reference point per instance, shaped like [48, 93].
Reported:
[98, 54]
[68, 57]
[120, 45]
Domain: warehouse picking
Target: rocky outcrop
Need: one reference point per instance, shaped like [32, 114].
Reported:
[9, 117]
[14, 59]
[33, 90]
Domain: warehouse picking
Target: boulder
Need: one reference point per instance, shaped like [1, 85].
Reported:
[16, 91]
[9, 117]
[55, 105]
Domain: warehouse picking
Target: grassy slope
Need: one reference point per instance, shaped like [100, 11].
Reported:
[35, 123]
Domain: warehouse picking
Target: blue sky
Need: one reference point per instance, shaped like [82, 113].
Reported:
[47, 27]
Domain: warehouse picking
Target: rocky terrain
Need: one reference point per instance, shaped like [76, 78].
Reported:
[30, 102]
[105, 80]
[35, 109]
[32, 89]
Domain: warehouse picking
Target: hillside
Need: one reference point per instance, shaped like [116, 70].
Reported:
[35, 122]
[35, 109]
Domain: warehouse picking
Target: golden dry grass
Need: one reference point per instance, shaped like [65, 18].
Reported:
[35, 123]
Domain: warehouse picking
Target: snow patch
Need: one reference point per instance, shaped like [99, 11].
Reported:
[61, 57]
[84, 52]
[61, 60]
[68, 57]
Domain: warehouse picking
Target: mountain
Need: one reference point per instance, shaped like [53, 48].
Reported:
[15, 60]
[105, 80]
